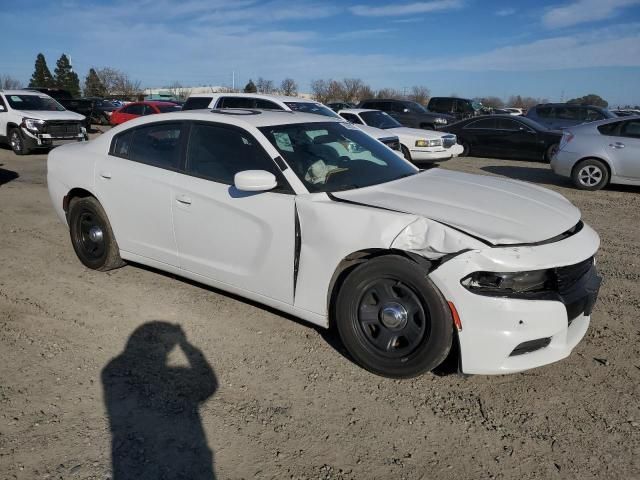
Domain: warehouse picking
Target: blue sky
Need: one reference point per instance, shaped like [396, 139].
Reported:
[543, 48]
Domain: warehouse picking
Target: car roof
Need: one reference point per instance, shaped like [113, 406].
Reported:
[22, 92]
[277, 98]
[358, 110]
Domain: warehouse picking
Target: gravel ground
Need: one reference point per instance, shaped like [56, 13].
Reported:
[277, 398]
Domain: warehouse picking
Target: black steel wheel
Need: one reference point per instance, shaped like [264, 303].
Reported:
[91, 235]
[392, 319]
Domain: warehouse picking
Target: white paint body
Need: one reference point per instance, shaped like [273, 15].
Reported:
[409, 136]
[245, 244]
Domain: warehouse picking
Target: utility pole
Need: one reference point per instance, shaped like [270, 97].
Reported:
[233, 80]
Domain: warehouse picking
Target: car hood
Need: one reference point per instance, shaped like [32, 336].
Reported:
[51, 115]
[496, 210]
[375, 132]
[418, 133]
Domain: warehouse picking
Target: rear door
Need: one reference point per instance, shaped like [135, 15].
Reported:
[133, 183]
[242, 239]
[625, 150]
[480, 134]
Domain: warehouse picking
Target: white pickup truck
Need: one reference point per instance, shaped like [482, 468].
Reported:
[30, 120]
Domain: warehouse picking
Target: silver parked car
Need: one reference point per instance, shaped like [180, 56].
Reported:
[596, 154]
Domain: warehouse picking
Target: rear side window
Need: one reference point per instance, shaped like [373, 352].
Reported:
[631, 129]
[485, 123]
[217, 153]
[121, 144]
[507, 124]
[157, 145]
[351, 118]
[196, 103]
[134, 109]
[609, 129]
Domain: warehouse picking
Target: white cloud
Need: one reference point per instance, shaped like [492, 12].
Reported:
[583, 11]
[406, 8]
[505, 12]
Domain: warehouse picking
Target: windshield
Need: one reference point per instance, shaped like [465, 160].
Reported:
[34, 102]
[416, 107]
[170, 107]
[310, 107]
[331, 157]
[380, 119]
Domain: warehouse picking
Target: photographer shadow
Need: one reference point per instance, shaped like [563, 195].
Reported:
[153, 408]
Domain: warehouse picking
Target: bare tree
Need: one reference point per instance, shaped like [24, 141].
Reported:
[178, 92]
[389, 93]
[319, 90]
[289, 87]
[7, 82]
[365, 93]
[492, 102]
[419, 94]
[352, 88]
[265, 86]
[118, 84]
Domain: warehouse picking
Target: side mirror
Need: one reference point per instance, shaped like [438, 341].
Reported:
[255, 181]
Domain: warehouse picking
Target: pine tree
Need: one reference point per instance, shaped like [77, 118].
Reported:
[93, 86]
[65, 77]
[250, 87]
[41, 76]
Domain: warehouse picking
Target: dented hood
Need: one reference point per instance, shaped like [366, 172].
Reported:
[497, 210]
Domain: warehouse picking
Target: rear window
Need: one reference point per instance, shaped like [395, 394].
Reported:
[543, 112]
[196, 103]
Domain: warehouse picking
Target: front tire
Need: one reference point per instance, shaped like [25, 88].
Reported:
[590, 174]
[91, 235]
[17, 142]
[392, 319]
[406, 153]
[465, 149]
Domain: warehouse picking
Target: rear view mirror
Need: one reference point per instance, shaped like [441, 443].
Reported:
[255, 181]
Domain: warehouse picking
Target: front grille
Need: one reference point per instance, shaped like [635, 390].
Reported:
[567, 277]
[62, 129]
[393, 143]
[448, 141]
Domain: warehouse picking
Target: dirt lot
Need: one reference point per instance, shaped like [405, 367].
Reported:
[282, 401]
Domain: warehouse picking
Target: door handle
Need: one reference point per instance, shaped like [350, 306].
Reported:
[617, 145]
[106, 175]
[185, 200]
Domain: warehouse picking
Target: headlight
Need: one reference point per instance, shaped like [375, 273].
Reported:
[429, 143]
[507, 282]
[33, 124]
[442, 121]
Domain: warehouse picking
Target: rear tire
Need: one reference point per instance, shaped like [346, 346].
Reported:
[551, 151]
[392, 319]
[590, 174]
[91, 235]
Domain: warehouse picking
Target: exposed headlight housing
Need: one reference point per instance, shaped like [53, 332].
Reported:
[437, 142]
[442, 121]
[506, 283]
[33, 124]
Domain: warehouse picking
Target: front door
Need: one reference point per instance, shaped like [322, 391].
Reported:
[243, 239]
[133, 184]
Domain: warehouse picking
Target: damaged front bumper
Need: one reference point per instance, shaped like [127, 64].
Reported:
[503, 334]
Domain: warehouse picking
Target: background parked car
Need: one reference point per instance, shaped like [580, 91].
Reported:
[409, 114]
[506, 136]
[277, 102]
[337, 106]
[83, 106]
[102, 110]
[460, 108]
[514, 110]
[417, 145]
[599, 153]
[562, 115]
[625, 112]
[139, 109]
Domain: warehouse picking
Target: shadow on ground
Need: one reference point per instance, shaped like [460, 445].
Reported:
[7, 176]
[542, 175]
[153, 407]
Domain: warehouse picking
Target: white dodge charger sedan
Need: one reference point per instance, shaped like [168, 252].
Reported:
[313, 217]
[417, 145]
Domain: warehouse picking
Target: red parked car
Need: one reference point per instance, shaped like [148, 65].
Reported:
[138, 109]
